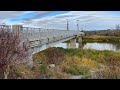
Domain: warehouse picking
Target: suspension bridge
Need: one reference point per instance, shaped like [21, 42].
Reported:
[40, 37]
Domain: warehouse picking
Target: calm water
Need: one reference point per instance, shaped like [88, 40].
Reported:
[103, 46]
[95, 45]
[88, 45]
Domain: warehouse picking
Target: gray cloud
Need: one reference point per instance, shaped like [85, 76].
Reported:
[64, 16]
[9, 14]
[87, 19]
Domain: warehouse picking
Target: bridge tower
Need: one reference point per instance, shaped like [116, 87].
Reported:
[67, 25]
[78, 25]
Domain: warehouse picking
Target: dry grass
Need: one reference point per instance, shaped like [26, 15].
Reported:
[107, 73]
[74, 64]
[77, 66]
[89, 63]
[21, 72]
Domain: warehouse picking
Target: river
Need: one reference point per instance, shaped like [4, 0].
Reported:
[112, 46]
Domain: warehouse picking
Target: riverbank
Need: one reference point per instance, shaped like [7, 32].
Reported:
[60, 63]
[101, 38]
[88, 64]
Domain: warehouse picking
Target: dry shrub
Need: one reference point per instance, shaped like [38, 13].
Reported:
[111, 70]
[107, 73]
[12, 50]
[56, 73]
[21, 72]
[53, 56]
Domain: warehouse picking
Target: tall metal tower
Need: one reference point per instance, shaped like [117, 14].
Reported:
[67, 25]
[78, 25]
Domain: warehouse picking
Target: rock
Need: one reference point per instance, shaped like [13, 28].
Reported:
[42, 77]
[52, 65]
[76, 77]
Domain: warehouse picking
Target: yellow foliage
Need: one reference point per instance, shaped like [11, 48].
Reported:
[88, 63]
[79, 61]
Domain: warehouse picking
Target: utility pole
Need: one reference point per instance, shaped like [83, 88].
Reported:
[78, 25]
[67, 25]
[82, 28]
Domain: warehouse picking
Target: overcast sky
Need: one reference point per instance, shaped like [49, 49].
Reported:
[88, 20]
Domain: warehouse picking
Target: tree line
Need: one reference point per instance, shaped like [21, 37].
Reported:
[108, 32]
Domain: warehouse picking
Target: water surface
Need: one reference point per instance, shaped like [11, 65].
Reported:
[112, 46]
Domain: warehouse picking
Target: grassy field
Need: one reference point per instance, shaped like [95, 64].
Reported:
[101, 38]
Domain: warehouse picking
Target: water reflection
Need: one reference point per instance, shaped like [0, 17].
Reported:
[66, 45]
[112, 46]
[63, 45]
[103, 46]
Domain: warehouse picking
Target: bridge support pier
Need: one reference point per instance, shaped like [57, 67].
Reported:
[73, 43]
[68, 44]
[80, 42]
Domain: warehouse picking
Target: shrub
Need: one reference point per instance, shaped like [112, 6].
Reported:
[107, 73]
[43, 69]
[21, 72]
[111, 69]
[56, 74]
[53, 56]
[12, 50]
[76, 70]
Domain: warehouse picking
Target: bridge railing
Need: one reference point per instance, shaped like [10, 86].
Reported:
[39, 36]
[37, 33]
[48, 40]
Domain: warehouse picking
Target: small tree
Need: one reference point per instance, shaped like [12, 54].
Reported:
[118, 27]
[12, 50]
[118, 30]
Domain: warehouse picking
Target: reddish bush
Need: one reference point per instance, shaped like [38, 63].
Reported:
[12, 50]
[54, 56]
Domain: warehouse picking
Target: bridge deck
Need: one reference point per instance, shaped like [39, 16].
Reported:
[41, 37]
